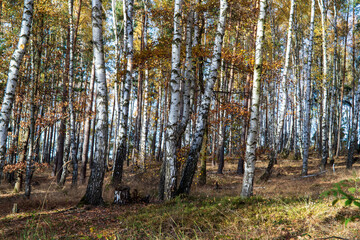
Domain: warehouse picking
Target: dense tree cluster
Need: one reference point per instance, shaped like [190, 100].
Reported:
[105, 85]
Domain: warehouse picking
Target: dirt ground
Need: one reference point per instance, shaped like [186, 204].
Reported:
[49, 201]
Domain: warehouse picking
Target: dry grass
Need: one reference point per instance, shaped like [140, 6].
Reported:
[285, 207]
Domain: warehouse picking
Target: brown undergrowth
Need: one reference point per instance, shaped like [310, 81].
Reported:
[287, 206]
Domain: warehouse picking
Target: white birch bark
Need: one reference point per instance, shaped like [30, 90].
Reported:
[355, 102]
[282, 97]
[332, 90]
[250, 158]
[324, 122]
[172, 126]
[283, 83]
[307, 88]
[71, 104]
[66, 160]
[298, 99]
[188, 75]
[29, 158]
[15, 62]
[142, 153]
[87, 126]
[192, 159]
[121, 149]
[93, 193]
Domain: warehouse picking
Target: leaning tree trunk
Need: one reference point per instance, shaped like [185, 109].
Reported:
[171, 133]
[250, 158]
[121, 149]
[93, 193]
[13, 75]
[282, 97]
[192, 159]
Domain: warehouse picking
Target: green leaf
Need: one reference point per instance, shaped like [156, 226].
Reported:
[357, 203]
[347, 221]
[345, 194]
[348, 202]
[352, 190]
[335, 201]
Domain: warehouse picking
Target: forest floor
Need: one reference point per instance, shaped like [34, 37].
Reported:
[287, 206]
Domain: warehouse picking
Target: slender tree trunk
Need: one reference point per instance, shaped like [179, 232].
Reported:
[66, 160]
[250, 157]
[324, 122]
[87, 127]
[332, 89]
[71, 105]
[282, 98]
[23, 146]
[202, 173]
[144, 119]
[172, 126]
[162, 123]
[13, 75]
[307, 122]
[117, 74]
[16, 143]
[121, 149]
[140, 92]
[62, 131]
[29, 158]
[93, 126]
[93, 193]
[338, 145]
[192, 159]
[153, 143]
[355, 103]
[221, 139]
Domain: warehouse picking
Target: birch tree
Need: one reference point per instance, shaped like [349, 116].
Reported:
[87, 127]
[192, 158]
[171, 132]
[250, 158]
[121, 149]
[71, 105]
[307, 120]
[282, 96]
[324, 122]
[332, 90]
[355, 101]
[29, 158]
[93, 193]
[144, 119]
[15, 62]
